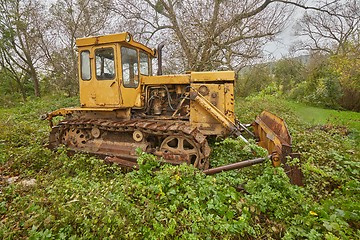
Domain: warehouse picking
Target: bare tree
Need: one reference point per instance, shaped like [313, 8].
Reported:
[20, 37]
[211, 34]
[200, 34]
[71, 19]
[79, 18]
[12, 73]
[335, 31]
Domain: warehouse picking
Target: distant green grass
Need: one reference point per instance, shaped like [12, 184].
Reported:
[320, 116]
[315, 115]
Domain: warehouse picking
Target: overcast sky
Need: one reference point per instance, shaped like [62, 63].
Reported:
[280, 46]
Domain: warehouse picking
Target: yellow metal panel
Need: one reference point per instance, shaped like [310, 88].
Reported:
[129, 97]
[139, 101]
[113, 38]
[229, 101]
[101, 109]
[168, 79]
[212, 76]
[215, 96]
[95, 40]
[200, 117]
[100, 93]
[211, 129]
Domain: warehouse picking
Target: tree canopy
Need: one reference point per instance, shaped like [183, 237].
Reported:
[37, 46]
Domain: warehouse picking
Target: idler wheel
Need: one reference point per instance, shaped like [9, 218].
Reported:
[138, 136]
[95, 132]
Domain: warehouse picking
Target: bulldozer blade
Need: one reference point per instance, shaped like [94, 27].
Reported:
[272, 134]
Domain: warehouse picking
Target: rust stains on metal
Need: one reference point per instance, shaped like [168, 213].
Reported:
[273, 135]
[123, 162]
[174, 141]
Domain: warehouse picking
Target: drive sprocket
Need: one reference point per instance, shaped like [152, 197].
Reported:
[74, 138]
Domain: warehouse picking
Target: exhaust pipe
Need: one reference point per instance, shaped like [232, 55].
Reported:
[159, 52]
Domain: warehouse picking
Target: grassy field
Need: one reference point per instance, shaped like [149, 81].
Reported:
[52, 195]
[320, 116]
[315, 115]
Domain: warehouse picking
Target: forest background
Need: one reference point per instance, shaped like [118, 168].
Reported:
[38, 52]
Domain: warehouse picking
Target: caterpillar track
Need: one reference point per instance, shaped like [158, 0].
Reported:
[175, 141]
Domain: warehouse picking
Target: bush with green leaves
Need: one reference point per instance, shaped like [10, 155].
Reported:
[252, 80]
[325, 81]
[82, 197]
[322, 88]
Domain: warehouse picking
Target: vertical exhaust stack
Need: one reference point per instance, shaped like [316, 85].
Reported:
[159, 53]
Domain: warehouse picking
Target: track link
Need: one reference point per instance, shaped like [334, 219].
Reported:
[175, 141]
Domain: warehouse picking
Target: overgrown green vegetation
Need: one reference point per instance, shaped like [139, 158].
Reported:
[320, 80]
[58, 196]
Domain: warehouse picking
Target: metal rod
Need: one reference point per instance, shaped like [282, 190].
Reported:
[246, 129]
[237, 165]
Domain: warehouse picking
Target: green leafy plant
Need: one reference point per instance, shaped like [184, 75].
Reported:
[82, 197]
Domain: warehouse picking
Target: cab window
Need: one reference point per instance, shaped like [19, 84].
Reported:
[144, 64]
[105, 63]
[85, 65]
[130, 69]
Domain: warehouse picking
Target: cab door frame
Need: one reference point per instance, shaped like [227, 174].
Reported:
[129, 73]
[106, 76]
[98, 91]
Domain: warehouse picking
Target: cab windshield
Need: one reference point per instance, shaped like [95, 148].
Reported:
[105, 63]
[130, 68]
[134, 63]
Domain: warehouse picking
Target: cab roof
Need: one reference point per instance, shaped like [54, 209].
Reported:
[124, 38]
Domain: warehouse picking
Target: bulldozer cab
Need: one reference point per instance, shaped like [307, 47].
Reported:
[110, 69]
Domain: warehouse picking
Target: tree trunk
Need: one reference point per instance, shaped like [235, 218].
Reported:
[22, 90]
[35, 81]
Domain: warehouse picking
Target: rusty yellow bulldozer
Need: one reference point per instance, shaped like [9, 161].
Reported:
[124, 107]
